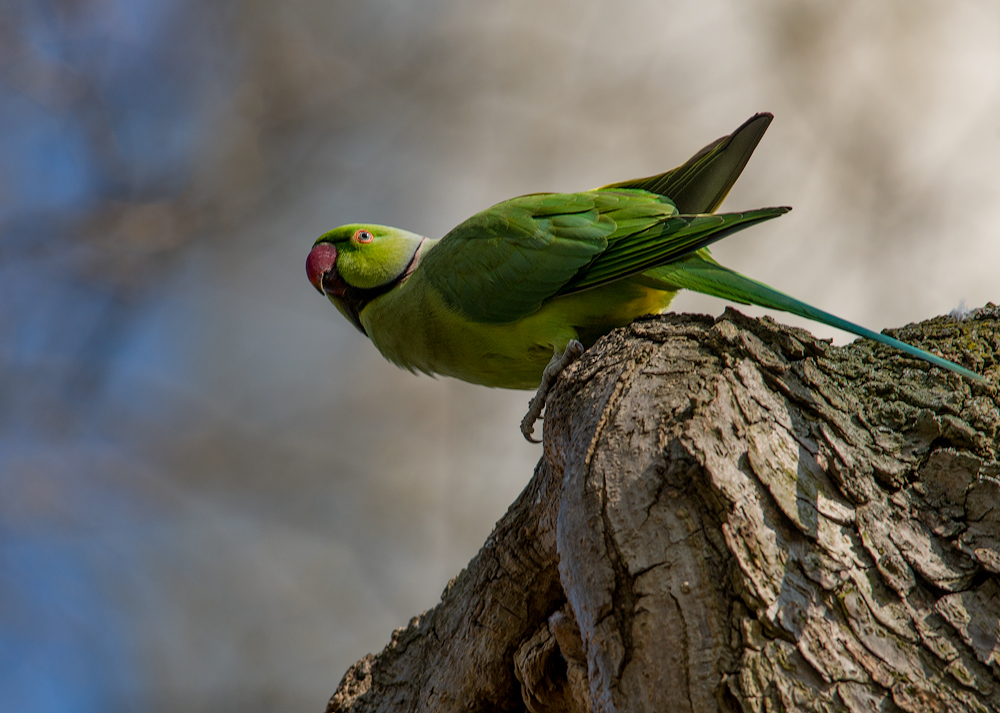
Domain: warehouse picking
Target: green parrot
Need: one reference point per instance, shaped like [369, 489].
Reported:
[515, 292]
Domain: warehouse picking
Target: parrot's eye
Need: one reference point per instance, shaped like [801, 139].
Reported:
[363, 236]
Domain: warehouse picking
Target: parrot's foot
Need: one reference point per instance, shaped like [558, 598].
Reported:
[571, 353]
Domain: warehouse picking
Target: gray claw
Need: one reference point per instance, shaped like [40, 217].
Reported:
[571, 353]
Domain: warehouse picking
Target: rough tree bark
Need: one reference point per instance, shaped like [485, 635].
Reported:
[731, 515]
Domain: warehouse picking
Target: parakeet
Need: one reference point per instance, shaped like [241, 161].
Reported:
[531, 281]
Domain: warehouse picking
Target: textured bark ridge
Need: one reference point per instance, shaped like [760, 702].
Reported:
[731, 515]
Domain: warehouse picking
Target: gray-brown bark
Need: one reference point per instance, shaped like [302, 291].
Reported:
[731, 515]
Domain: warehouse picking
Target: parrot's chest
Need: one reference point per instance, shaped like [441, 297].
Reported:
[413, 328]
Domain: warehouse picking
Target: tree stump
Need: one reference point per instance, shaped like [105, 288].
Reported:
[731, 515]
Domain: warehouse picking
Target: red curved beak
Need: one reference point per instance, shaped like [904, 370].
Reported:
[321, 261]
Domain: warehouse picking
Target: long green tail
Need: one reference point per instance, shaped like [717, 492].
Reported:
[700, 273]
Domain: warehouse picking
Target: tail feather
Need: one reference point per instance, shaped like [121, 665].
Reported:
[702, 274]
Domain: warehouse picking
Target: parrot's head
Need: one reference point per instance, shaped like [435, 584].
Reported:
[354, 264]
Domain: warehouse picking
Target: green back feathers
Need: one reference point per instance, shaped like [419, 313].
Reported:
[504, 263]
[501, 264]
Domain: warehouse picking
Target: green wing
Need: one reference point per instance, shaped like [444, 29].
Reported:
[662, 243]
[703, 182]
[701, 273]
[504, 263]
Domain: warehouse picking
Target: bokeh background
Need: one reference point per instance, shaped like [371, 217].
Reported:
[214, 493]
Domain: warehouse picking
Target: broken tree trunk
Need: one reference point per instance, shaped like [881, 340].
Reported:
[731, 515]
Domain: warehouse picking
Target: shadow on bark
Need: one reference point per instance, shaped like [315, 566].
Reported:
[731, 515]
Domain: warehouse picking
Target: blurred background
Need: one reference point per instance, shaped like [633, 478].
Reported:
[214, 493]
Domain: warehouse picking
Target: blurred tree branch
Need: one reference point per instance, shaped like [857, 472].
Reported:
[731, 515]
